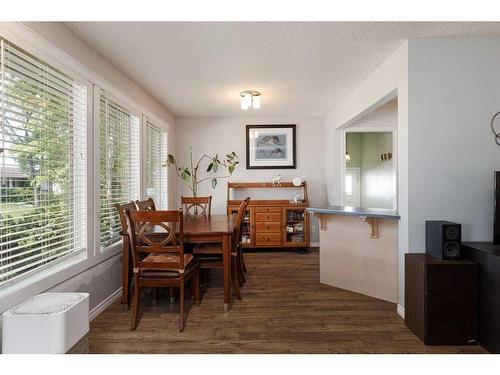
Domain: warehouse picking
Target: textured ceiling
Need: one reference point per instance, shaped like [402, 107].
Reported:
[301, 68]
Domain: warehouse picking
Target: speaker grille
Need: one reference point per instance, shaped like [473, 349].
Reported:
[451, 250]
[451, 233]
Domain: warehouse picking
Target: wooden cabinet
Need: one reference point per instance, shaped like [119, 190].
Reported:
[487, 257]
[272, 222]
[441, 300]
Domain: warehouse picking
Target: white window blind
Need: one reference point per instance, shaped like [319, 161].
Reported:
[119, 164]
[155, 159]
[42, 164]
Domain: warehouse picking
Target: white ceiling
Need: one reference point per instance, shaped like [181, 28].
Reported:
[301, 68]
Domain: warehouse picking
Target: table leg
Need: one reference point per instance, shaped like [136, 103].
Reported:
[226, 254]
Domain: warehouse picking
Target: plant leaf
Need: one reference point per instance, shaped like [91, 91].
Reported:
[231, 168]
[210, 166]
[216, 166]
[170, 159]
[214, 183]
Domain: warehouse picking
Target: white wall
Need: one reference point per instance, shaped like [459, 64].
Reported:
[385, 116]
[387, 81]
[454, 89]
[377, 184]
[447, 92]
[223, 135]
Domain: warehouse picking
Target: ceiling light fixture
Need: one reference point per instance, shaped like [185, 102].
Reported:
[250, 98]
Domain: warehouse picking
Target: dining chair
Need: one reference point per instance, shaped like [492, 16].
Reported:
[153, 234]
[146, 205]
[126, 250]
[201, 206]
[210, 254]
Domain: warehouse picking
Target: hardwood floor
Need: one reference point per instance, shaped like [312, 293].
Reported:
[284, 310]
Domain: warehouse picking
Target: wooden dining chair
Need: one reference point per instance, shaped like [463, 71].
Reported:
[146, 205]
[153, 233]
[210, 254]
[201, 206]
[126, 250]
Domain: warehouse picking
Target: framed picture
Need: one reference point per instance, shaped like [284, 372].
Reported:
[271, 147]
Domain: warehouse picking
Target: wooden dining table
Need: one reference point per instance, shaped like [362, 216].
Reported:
[201, 229]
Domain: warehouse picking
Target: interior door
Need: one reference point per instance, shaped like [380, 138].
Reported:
[352, 188]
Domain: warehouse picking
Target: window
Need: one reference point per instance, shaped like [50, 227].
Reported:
[119, 164]
[43, 172]
[155, 159]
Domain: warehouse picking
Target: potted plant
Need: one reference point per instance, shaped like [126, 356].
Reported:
[189, 175]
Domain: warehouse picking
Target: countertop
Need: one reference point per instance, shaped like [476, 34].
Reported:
[356, 211]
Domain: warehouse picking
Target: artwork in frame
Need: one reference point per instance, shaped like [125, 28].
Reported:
[271, 147]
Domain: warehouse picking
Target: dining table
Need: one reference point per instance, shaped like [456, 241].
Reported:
[199, 229]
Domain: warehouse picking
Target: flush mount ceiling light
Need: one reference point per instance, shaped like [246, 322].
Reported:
[250, 98]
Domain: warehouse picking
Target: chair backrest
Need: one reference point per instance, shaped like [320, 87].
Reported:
[121, 208]
[159, 232]
[197, 206]
[238, 224]
[146, 205]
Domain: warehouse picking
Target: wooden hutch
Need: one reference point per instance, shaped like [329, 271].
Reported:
[277, 223]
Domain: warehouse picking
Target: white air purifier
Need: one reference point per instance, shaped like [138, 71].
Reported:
[47, 323]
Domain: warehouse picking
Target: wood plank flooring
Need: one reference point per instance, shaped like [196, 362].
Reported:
[284, 310]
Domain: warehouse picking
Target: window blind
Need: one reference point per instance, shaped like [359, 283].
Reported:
[42, 164]
[119, 164]
[155, 159]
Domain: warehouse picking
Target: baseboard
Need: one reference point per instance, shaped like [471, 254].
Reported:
[314, 244]
[105, 304]
[401, 311]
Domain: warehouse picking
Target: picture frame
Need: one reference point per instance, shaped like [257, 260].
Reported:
[271, 146]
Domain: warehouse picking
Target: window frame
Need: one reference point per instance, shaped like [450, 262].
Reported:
[165, 132]
[97, 160]
[82, 254]
[27, 286]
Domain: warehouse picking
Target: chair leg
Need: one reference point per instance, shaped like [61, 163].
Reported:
[181, 305]
[241, 273]
[234, 277]
[242, 260]
[207, 278]
[125, 275]
[196, 286]
[135, 303]
[172, 295]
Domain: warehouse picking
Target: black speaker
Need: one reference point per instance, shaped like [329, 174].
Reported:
[443, 239]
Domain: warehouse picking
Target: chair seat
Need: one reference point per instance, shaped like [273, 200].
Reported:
[208, 248]
[172, 259]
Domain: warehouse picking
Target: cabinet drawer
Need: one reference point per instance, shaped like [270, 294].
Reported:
[272, 216]
[268, 209]
[271, 239]
[268, 227]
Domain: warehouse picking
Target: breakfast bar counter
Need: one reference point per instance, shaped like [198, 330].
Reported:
[359, 249]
